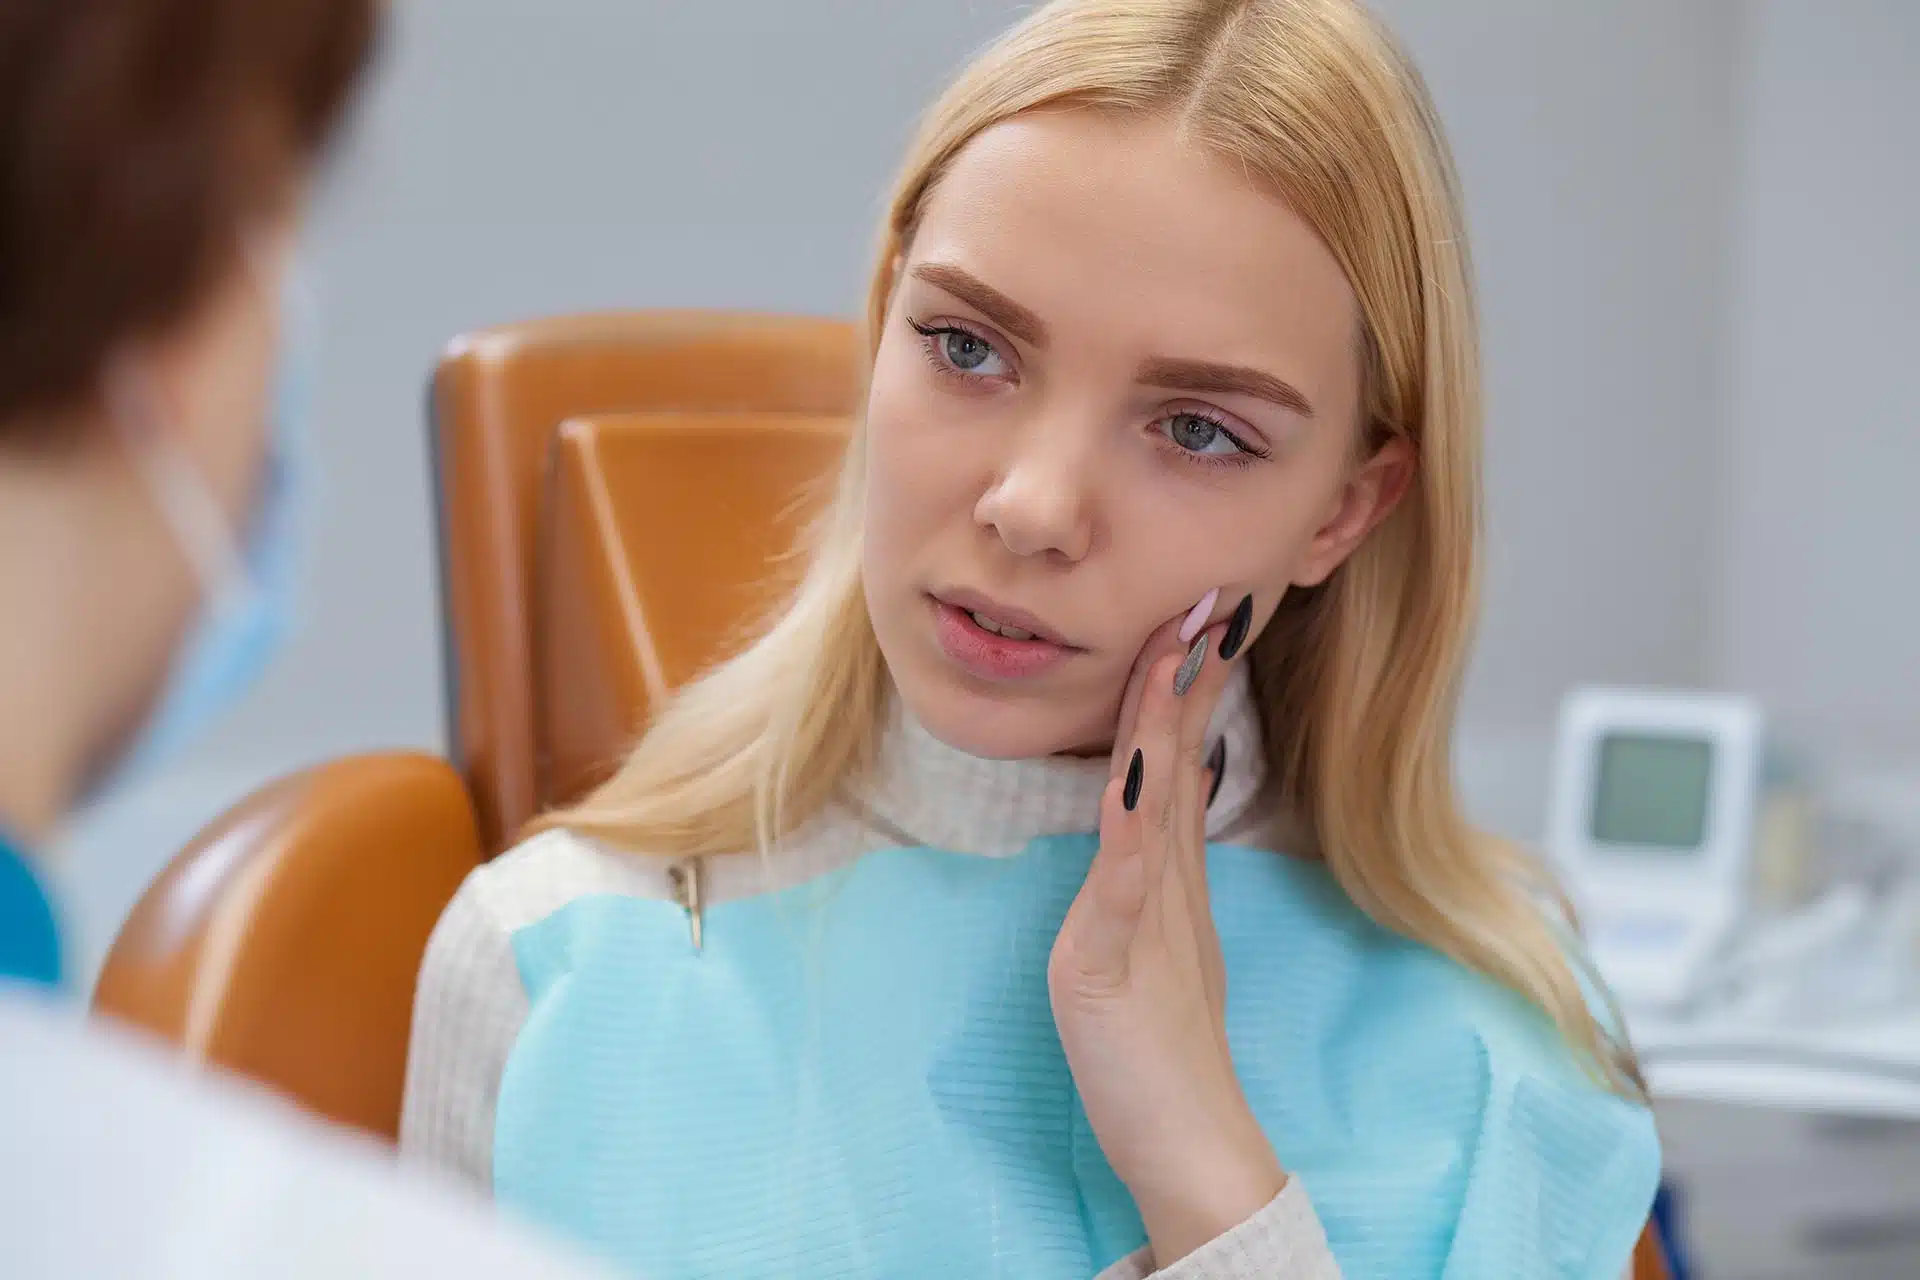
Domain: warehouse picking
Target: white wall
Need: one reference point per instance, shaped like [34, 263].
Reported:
[1594, 144]
[1817, 604]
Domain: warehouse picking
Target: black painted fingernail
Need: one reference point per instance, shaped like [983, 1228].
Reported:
[1218, 763]
[1190, 669]
[1136, 774]
[1237, 629]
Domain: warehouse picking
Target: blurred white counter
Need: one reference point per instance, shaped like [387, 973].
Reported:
[1863, 1068]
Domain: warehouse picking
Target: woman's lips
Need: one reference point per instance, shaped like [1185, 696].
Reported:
[988, 655]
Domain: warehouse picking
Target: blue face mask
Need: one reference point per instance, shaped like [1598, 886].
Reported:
[248, 584]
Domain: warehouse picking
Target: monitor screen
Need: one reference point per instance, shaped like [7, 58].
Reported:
[1653, 791]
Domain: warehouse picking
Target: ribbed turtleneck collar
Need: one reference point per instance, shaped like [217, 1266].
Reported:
[946, 799]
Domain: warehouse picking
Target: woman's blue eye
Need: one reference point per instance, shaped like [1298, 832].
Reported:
[964, 351]
[1197, 434]
[956, 350]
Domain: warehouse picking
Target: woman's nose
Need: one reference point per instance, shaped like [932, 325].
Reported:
[1040, 503]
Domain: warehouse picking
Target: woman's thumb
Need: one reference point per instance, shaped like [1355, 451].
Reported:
[1097, 936]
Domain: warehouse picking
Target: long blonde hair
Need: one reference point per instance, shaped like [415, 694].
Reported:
[1357, 680]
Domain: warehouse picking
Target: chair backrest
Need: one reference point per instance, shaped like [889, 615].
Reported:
[498, 401]
[665, 537]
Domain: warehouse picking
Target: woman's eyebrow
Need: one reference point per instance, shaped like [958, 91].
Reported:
[1205, 377]
[996, 306]
[1166, 372]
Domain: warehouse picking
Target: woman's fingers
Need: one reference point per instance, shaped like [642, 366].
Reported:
[1149, 877]
[1157, 741]
[1105, 917]
[1201, 763]
[1162, 642]
[1233, 641]
[1203, 676]
[1211, 663]
[1168, 793]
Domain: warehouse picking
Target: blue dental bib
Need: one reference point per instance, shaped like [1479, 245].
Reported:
[860, 1077]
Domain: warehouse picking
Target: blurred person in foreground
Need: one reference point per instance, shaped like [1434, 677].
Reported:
[154, 157]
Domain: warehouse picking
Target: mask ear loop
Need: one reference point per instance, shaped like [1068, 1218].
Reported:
[186, 502]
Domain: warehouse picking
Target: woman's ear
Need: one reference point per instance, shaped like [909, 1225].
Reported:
[1366, 499]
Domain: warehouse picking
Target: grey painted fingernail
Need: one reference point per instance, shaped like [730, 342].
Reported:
[1136, 774]
[1237, 630]
[1217, 761]
[1190, 669]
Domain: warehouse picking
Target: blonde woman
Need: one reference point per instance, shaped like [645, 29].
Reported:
[1071, 881]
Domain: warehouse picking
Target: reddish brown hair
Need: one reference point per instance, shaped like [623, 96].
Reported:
[137, 140]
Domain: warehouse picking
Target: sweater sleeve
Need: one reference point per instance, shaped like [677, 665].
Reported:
[468, 1009]
[1284, 1239]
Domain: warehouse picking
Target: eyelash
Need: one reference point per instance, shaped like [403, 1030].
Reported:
[930, 335]
[1245, 454]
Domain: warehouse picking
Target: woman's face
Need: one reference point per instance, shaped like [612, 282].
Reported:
[1115, 375]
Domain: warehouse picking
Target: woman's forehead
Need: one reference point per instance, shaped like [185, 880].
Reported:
[1128, 232]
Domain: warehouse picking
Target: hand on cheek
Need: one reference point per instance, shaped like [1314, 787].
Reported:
[1137, 981]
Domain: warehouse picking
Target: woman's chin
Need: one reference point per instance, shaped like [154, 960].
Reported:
[996, 726]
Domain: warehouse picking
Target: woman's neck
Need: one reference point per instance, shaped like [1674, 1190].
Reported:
[933, 794]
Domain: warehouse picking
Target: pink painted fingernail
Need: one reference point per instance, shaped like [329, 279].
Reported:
[1198, 618]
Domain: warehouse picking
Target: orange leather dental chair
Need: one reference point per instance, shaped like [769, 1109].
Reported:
[615, 493]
